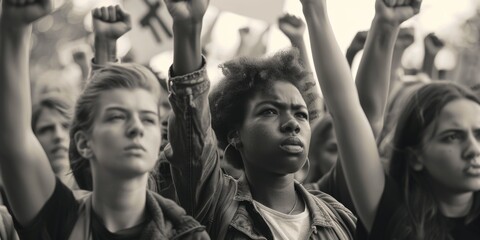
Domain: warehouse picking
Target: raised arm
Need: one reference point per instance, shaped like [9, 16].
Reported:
[187, 27]
[192, 152]
[432, 46]
[356, 46]
[359, 155]
[27, 176]
[406, 37]
[373, 76]
[80, 58]
[109, 24]
[294, 28]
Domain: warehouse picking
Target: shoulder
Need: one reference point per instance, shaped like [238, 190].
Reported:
[182, 224]
[334, 205]
[7, 230]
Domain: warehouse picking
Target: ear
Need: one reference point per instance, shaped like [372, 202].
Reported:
[234, 138]
[82, 144]
[415, 160]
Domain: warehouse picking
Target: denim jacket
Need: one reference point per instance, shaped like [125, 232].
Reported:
[221, 203]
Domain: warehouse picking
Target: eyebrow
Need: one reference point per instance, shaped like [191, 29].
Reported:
[280, 105]
[115, 108]
[454, 129]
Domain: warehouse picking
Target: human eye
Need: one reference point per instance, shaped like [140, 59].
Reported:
[452, 137]
[45, 129]
[269, 112]
[477, 134]
[66, 125]
[302, 115]
[115, 117]
[150, 120]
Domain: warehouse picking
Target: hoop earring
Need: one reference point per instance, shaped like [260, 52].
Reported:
[226, 148]
[308, 170]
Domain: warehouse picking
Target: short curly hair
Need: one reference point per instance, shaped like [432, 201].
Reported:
[244, 77]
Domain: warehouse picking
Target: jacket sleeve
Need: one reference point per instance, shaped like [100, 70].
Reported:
[201, 187]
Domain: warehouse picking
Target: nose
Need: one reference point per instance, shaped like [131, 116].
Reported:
[60, 133]
[135, 128]
[472, 149]
[290, 126]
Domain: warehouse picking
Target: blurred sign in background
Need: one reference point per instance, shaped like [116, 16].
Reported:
[68, 30]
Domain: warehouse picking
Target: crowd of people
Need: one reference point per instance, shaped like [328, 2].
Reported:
[260, 155]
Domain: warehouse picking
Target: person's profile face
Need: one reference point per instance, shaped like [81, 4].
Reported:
[275, 134]
[324, 152]
[451, 148]
[51, 130]
[125, 137]
[165, 111]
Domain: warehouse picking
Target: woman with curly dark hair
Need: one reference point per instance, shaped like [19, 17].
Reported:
[259, 116]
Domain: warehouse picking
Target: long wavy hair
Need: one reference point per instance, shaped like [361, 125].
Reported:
[421, 217]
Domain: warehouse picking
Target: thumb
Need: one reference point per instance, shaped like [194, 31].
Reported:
[404, 13]
[124, 15]
[46, 4]
[416, 4]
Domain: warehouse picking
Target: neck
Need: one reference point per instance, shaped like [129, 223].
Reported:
[61, 167]
[453, 204]
[274, 191]
[119, 202]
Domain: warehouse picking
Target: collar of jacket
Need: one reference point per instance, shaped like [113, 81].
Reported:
[161, 209]
[317, 208]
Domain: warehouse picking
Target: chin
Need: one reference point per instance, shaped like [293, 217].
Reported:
[292, 167]
[59, 164]
[131, 172]
[134, 167]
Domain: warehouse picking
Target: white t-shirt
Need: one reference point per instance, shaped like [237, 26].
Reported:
[284, 226]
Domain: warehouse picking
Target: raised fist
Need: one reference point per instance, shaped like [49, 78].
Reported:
[406, 37]
[24, 12]
[291, 26]
[397, 11]
[111, 22]
[358, 41]
[187, 11]
[433, 44]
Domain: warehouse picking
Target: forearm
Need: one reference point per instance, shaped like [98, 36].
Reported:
[187, 51]
[351, 53]
[299, 44]
[396, 66]
[308, 86]
[242, 50]
[357, 146]
[105, 50]
[15, 102]
[373, 76]
[333, 74]
[28, 178]
[193, 149]
[428, 63]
